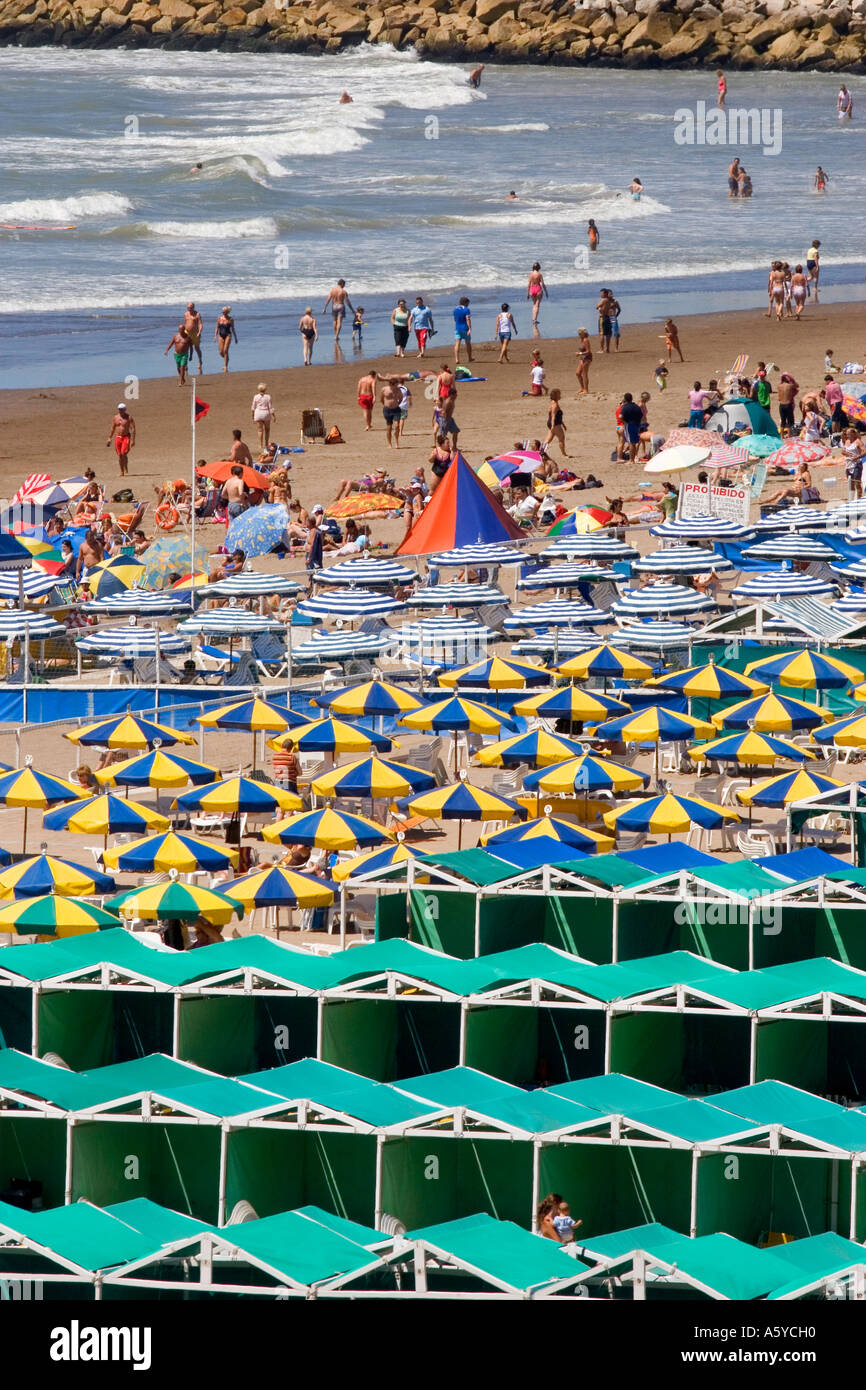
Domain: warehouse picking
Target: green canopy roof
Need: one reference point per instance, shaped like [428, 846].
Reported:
[773, 1102]
[159, 1224]
[610, 870]
[728, 1267]
[296, 1248]
[403, 957]
[350, 1230]
[693, 1121]
[90, 1238]
[475, 865]
[27, 1075]
[651, 1236]
[503, 1251]
[614, 1094]
[822, 1256]
[743, 878]
[535, 1112]
[186, 1085]
[372, 1102]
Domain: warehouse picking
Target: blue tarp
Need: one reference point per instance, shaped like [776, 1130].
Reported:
[528, 854]
[665, 859]
[800, 864]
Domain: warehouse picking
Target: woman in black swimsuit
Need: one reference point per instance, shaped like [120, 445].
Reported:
[309, 331]
[223, 333]
[556, 423]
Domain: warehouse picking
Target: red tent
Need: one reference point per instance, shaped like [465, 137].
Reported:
[462, 511]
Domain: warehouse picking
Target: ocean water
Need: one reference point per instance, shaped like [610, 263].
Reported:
[105, 234]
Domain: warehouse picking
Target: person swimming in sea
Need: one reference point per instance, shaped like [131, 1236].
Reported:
[635, 188]
[592, 233]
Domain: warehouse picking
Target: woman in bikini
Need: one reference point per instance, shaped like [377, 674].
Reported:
[584, 360]
[446, 390]
[440, 459]
[556, 422]
[536, 290]
[223, 333]
[280, 491]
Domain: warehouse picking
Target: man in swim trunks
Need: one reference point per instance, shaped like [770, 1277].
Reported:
[239, 452]
[421, 321]
[339, 302]
[604, 309]
[734, 179]
[192, 322]
[234, 492]
[123, 434]
[475, 76]
[391, 409]
[367, 397]
[181, 345]
[844, 104]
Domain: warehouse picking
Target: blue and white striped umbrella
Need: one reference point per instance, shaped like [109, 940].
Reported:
[794, 519]
[855, 571]
[790, 547]
[698, 528]
[852, 602]
[151, 603]
[561, 643]
[349, 603]
[556, 612]
[563, 576]
[655, 636]
[661, 598]
[454, 640]
[591, 547]
[229, 622]
[15, 623]
[682, 559]
[781, 583]
[132, 642]
[479, 554]
[339, 646]
[457, 595]
[365, 572]
[250, 586]
[36, 584]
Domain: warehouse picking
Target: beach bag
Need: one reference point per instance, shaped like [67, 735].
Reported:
[333, 436]
[125, 495]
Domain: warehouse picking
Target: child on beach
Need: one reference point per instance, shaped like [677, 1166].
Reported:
[506, 329]
[661, 376]
[536, 376]
[671, 337]
[829, 364]
[564, 1223]
[358, 326]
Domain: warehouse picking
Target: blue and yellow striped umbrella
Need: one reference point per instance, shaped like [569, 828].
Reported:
[607, 663]
[806, 670]
[668, 815]
[157, 769]
[457, 715]
[162, 853]
[586, 774]
[573, 703]
[565, 832]
[791, 786]
[655, 724]
[496, 674]
[105, 815]
[709, 682]
[372, 700]
[772, 714]
[327, 829]
[36, 791]
[115, 576]
[127, 731]
[845, 733]
[44, 874]
[332, 736]
[373, 777]
[750, 749]
[237, 795]
[462, 801]
[278, 886]
[251, 716]
[536, 748]
[374, 859]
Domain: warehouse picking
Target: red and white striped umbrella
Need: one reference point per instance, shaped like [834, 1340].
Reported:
[795, 451]
[722, 455]
[35, 482]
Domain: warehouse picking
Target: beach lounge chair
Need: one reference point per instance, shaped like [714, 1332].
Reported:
[269, 653]
[312, 426]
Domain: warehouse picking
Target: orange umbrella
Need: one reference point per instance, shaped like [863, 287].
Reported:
[365, 504]
[221, 471]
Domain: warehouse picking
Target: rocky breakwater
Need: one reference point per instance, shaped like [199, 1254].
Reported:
[633, 33]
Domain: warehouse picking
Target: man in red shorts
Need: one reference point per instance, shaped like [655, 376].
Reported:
[123, 434]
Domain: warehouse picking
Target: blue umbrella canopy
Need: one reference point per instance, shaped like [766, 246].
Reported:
[366, 573]
[259, 530]
[349, 603]
[556, 612]
[251, 585]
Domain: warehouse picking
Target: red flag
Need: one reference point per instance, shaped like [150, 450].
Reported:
[201, 409]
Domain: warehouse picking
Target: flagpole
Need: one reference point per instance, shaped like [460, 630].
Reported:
[192, 494]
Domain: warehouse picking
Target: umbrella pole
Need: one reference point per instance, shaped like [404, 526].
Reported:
[24, 841]
[459, 833]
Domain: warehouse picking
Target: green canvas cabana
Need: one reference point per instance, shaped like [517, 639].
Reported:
[481, 1256]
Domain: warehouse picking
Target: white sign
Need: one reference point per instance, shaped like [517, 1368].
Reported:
[702, 499]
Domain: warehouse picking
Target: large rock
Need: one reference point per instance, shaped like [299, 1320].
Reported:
[503, 29]
[768, 30]
[488, 11]
[654, 32]
[786, 47]
[235, 18]
[692, 41]
[346, 22]
[175, 9]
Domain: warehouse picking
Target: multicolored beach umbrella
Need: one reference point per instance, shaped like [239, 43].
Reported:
[157, 769]
[795, 451]
[668, 815]
[806, 670]
[45, 874]
[586, 774]
[496, 674]
[169, 555]
[36, 791]
[373, 699]
[105, 815]
[791, 786]
[605, 663]
[174, 901]
[54, 916]
[375, 778]
[493, 472]
[114, 576]
[162, 853]
[772, 714]
[580, 522]
[536, 748]
[239, 795]
[332, 736]
[565, 832]
[461, 801]
[750, 749]
[571, 702]
[327, 829]
[127, 731]
[279, 886]
[462, 511]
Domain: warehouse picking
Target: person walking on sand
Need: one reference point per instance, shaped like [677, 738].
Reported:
[671, 336]
[309, 331]
[339, 302]
[584, 361]
[400, 325]
[462, 329]
[367, 397]
[446, 393]
[813, 264]
[506, 329]
[722, 89]
[391, 409]
[181, 344]
[263, 413]
[604, 309]
[734, 178]
[192, 322]
[123, 434]
[536, 290]
[223, 334]
[421, 323]
[777, 290]
[799, 286]
[556, 423]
